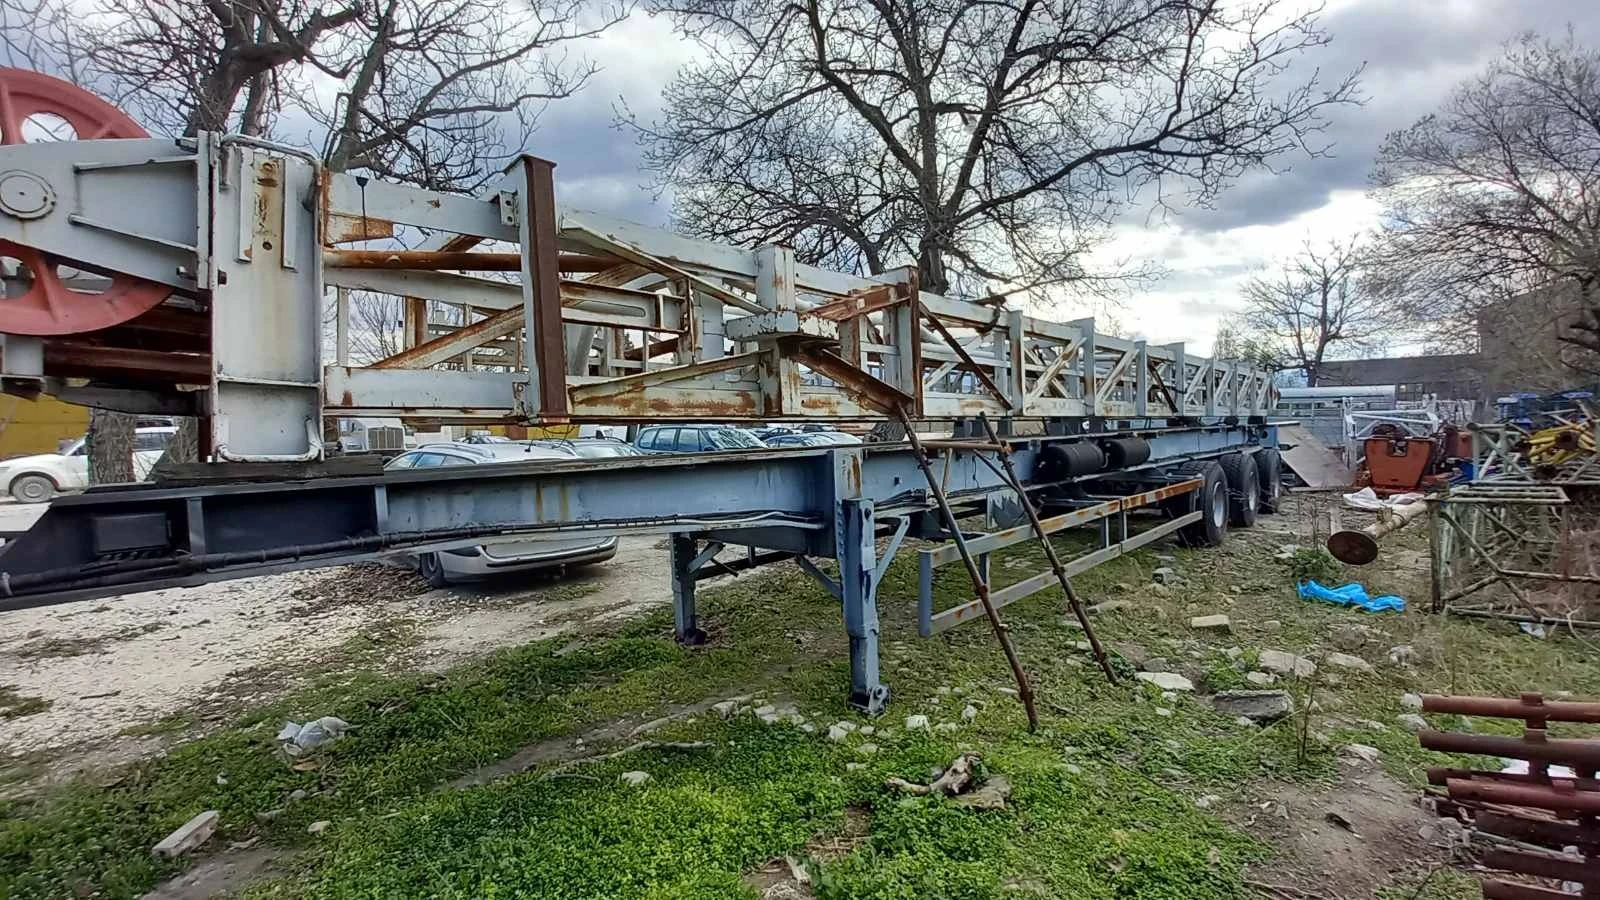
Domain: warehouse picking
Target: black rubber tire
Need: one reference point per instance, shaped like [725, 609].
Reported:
[1244, 489]
[33, 488]
[432, 570]
[1269, 474]
[1211, 497]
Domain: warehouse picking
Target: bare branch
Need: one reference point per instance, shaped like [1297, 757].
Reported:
[990, 143]
[1494, 202]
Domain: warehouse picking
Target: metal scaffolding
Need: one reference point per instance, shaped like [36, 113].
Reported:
[1515, 551]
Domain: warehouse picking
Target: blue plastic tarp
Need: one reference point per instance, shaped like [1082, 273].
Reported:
[1351, 594]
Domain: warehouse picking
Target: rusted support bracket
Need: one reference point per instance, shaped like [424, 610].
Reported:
[858, 383]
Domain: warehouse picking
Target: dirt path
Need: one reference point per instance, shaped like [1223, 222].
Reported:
[110, 669]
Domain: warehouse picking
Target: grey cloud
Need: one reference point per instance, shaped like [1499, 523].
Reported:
[1414, 54]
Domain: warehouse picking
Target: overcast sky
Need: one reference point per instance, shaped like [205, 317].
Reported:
[1414, 51]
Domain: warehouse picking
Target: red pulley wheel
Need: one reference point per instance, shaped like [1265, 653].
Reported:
[49, 306]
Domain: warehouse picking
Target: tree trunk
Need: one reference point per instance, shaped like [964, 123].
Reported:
[185, 444]
[110, 441]
[931, 272]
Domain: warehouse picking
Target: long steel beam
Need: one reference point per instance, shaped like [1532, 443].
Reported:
[138, 537]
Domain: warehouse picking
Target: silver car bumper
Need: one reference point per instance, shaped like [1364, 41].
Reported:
[515, 556]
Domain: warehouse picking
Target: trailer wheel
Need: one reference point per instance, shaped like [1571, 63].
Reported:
[1269, 472]
[1210, 499]
[1244, 489]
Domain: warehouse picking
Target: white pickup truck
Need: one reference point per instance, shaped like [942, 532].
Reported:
[37, 478]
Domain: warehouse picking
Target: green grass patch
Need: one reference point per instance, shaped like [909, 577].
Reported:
[1103, 795]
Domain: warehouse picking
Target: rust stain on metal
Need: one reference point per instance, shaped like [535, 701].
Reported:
[828, 405]
[635, 404]
[465, 260]
[339, 229]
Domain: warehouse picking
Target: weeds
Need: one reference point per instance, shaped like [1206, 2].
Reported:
[1103, 802]
[14, 705]
[1314, 564]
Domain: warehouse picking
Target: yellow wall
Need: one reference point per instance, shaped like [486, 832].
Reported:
[38, 426]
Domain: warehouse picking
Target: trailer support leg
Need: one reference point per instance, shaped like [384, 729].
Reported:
[858, 588]
[685, 621]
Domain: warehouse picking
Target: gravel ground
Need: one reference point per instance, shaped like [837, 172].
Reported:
[115, 666]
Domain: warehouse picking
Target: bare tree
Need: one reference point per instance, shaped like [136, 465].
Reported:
[1314, 304]
[205, 65]
[437, 92]
[1498, 195]
[1237, 339]
[987, 142]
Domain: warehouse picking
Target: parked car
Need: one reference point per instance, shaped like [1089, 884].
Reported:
[813, 439]
[590, 448]
[766, 432]
[509, 556]
[695, 439]
[37, 478]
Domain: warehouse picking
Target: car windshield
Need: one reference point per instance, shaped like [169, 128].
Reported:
[730, 439]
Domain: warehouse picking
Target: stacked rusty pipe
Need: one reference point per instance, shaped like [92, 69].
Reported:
[1543, 823]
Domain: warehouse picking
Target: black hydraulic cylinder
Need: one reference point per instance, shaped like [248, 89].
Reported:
[1123, 453]
[1058, 462]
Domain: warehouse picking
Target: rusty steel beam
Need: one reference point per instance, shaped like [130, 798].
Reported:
[865, 388]
[506, 322]
[655, 348]
[1530, 706]
[1547, 832]
[1540, 865]
[72, 359]
[1559, 796]
[1579, 754]
[464, 260]
[547, 352]
[1532, 808]
[1441, 776]
[860, 303]
[447, 346]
